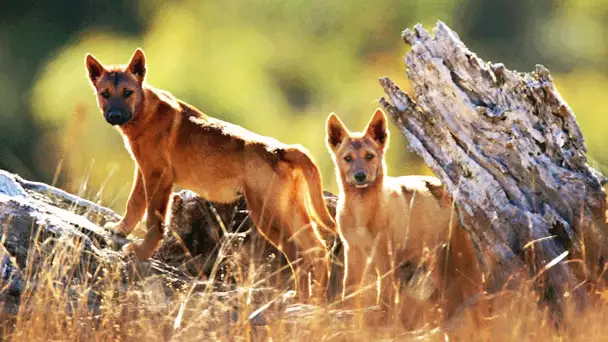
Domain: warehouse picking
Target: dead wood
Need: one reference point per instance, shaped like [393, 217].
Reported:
[509, 149]
[208, 251]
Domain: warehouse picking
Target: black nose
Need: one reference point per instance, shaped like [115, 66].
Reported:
[116, 117]
[360, 176]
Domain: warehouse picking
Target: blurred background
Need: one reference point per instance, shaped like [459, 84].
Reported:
[276, 67]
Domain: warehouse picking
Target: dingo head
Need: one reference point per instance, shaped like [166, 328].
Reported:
[119, 89]
[359, 157]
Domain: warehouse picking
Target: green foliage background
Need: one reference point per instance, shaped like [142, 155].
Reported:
[277, 67]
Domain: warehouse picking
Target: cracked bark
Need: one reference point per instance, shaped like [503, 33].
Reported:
[509, 149]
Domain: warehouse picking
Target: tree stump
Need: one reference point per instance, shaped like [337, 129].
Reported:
[510, 151]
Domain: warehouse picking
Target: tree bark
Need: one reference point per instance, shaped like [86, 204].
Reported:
[510, 151]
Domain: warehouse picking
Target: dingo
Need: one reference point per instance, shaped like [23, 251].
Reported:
[172, 142]
[397, 222]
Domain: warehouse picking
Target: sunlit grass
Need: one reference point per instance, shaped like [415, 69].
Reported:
[66, 299]
[70, 294]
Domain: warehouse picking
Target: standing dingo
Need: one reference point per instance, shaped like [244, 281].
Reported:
[172, 142]
[396, 223]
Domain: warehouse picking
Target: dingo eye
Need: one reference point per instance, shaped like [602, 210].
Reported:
[105, 94]
[127, 93]
[369, 156]
[348, 159]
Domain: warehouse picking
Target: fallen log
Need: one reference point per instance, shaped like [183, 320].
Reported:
[38, 220]
[510, 151]
[51, 240]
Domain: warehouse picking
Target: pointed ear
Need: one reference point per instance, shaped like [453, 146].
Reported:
[137, 64]
[94, 68]
[376, 128]
[336, 131]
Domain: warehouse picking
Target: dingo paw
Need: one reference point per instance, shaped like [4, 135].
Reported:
[117, 228]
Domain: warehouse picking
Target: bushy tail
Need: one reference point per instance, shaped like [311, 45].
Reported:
[462, 277]
[315, 186]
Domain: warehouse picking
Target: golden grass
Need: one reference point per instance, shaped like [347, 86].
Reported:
[70, 298]
[70, 294]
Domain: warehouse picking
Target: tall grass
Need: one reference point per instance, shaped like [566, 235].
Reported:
[71, 294]
[69, 297]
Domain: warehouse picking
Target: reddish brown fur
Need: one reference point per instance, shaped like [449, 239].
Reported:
[397, 220]
[172, 142]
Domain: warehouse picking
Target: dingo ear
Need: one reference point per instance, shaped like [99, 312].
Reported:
[137, 64]
[376, 128]
[94, 68]
[336, 131]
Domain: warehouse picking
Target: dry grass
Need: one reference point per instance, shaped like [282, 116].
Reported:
[68, 297]
[71, 295]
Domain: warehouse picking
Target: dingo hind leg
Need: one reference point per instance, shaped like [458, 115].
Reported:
[312, 177]
[276, 199]
[460, 279]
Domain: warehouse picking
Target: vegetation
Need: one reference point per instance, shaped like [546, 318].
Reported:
[68, 296]
[277, 68]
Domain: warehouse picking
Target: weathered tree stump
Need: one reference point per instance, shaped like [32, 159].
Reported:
[509, 149]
